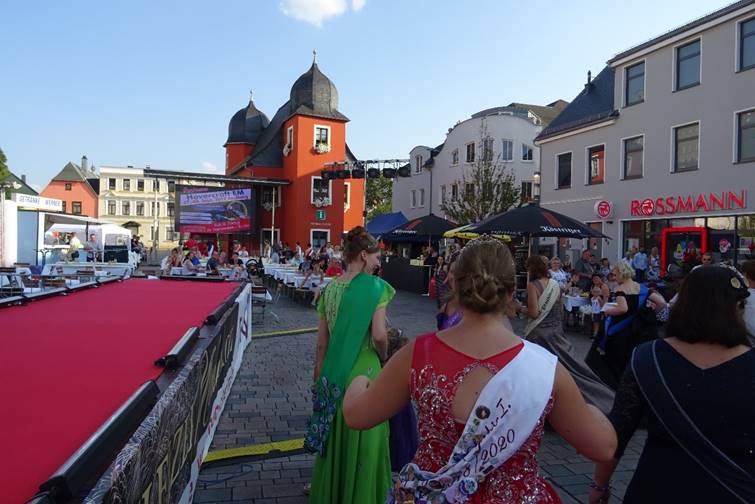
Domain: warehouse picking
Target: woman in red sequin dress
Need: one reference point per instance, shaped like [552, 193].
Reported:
[445, 374]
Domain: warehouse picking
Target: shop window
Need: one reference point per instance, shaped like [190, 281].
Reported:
[633, 154]
[319, 237]
[746, 136]
[563, 170]
[125, 208]
[596, 158]
[634, 77]
[686, 154]
[643, 234]
[722, 238]
[688, 65]
[745, 238]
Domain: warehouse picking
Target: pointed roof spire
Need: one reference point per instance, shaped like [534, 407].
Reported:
[251, 95]
[314, 56]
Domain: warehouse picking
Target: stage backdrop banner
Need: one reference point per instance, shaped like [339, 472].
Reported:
[161, 461]
[214, 210]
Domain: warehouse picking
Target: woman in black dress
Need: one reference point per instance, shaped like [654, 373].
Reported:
[697, 387]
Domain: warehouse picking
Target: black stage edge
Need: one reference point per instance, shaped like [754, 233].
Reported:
[12, 301]
[108, 279]
[46, 293]
[72, 476]
[194, 278]
[177, 355]
[217, 314]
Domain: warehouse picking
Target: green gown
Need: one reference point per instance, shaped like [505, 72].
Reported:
[356, 466]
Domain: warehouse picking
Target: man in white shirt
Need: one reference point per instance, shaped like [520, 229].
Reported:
[640, 265]
[74, 244]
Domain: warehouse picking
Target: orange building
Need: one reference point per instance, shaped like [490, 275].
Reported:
[304, 135]
[71, 186]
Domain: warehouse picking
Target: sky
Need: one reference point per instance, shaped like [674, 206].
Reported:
[156, 82]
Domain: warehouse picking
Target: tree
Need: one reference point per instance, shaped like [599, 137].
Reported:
[487, 188]
[379, 194]
[4, 171]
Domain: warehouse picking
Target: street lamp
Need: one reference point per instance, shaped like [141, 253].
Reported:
[536, 187]
[4, 186]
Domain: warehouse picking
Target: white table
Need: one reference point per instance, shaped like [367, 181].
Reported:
[571, 302]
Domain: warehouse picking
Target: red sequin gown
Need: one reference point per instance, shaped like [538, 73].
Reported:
[437, 371]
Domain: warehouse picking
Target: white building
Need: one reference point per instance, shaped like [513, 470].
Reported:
[437, 172]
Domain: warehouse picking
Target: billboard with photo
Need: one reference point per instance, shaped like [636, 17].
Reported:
[214, 209]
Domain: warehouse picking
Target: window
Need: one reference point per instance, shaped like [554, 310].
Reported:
[267, 196]
[126, 184]
[454, 192]
[633, 152]
[413, 199]
[111, 184]
[318, 237]
[171, 186]
[64, 207]
[688, 65]
[596, 159]
[470, 152]
[487, 149]
[140, 185]
[111, 207]
[170, 233]
[68, 186]
[346, 196]
[443, 194]
[455, 157]
[686, 155]
[564, 170]
[320, 189]
[469, 191]
[290, 137]
[322, 136]
[746, 136]
[418, 164]
[155, 185]
[154, 233]
[747, 44]
[76, 207]
[171, 209]
[421, 197]
[507, 151]
[125, 208]
[155, 208]
[140, 208]
[526, 152]
[526, 193]
[635, 84]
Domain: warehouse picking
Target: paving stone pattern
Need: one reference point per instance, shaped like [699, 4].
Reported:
[270, 401]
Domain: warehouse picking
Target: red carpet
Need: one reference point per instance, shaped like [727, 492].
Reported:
[66, 363]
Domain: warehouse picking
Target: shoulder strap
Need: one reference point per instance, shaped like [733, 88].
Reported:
[682, 428]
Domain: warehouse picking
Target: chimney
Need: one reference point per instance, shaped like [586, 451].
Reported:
[589, 76]
[85, 165]
[588, 85]
[23, 178]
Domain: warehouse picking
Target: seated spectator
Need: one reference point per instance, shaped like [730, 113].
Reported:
[223, 258]
[611, 282]
[296, 260]
[234, 261]
[189, 265]
[171, 261]
[213, 263]
[244, 252]
[195, 259]
[334, 269]
[605, 268]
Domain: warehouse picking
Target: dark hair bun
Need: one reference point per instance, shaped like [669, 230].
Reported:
[485, 276]
[358, 240]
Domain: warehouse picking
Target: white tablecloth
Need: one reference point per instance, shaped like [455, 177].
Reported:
[571, 302]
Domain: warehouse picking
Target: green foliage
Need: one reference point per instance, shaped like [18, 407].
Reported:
[4, 171]
[379, 194]
[487, 188]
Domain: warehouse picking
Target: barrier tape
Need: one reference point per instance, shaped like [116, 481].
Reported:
[285, 332]
[257, 450]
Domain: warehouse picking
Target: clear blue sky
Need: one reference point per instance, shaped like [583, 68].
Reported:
[155, 82]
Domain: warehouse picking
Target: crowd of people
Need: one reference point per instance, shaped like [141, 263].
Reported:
[483, 394]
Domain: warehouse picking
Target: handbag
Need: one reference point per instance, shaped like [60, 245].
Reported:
[671, 414]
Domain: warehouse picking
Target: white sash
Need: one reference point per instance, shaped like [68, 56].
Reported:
[504, 416]
[551, 293]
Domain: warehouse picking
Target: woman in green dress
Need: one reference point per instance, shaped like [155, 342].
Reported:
[350, 466]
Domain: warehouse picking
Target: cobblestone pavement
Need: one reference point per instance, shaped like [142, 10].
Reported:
[270, 402]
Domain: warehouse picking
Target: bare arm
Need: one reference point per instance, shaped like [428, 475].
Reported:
[366, 404]
[321, 347]
[583, 426]
[379, 333]
[620, 309]
[658, 301]
[532, 301]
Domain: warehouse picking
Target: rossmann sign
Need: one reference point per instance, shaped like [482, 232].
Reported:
[692, 203]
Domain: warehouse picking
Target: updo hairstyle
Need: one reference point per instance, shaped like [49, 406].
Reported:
[358, 240]
[485, 275]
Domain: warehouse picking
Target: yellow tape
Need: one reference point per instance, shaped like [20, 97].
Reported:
[252, 450]
[285, 332]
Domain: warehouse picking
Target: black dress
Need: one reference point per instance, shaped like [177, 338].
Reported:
[720, 401]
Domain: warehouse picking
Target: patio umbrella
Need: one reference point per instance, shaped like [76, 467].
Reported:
[423, 229]
[535, 221]
[463, 233]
